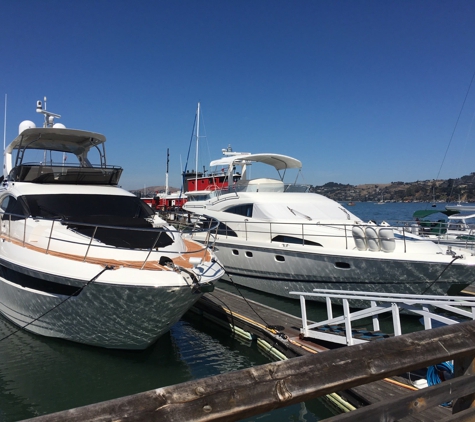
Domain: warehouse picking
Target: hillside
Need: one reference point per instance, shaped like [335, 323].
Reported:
[451, 190]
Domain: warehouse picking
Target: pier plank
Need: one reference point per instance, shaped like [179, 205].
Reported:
[367, 394]
[240, 394]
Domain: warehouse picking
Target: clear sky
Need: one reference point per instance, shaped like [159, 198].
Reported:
[366, 91]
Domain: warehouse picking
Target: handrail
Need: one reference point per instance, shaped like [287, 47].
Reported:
[213, 224]
[379, 303]
[305, 231]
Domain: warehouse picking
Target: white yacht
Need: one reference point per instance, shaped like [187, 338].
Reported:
[82, 259]
[279, 237]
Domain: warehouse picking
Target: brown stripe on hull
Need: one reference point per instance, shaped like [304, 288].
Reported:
[193, 250]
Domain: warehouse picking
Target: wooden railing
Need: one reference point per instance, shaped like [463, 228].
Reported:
[248, 392]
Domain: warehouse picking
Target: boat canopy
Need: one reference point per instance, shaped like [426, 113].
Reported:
[63, 140]
[426, 213]
[77, 142]
[278, 161]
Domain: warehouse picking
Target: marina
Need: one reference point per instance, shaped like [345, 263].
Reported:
[189, 351]
[48, 207]
[299, 259]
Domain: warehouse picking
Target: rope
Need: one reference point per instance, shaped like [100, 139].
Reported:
[434, 371]
[440, 275]
[245, 300]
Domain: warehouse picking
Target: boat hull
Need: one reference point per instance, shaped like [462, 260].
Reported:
[106, 314]
[282, 270]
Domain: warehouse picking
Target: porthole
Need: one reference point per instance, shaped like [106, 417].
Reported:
[342, 265]
[279, 258]
[249, 254]
[235, 252]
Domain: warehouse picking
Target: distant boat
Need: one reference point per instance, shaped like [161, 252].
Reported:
[351, 204]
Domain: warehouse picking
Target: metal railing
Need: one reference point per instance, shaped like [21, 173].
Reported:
[12, 218]
[305, 234]
[426, 306]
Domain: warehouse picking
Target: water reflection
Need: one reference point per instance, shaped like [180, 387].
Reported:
[40, 375]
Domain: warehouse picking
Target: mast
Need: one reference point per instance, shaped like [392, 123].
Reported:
[166, 176]
[197, 145]
[5, 125]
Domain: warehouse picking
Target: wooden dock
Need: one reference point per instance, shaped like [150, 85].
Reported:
[282, 331]
[369, 376]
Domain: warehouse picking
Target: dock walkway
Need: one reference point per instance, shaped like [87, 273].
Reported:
[281, 332]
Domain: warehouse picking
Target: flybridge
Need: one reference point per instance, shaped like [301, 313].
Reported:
[56, 138]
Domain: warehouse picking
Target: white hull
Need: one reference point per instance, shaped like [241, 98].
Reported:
[114, 311]
[305, 271]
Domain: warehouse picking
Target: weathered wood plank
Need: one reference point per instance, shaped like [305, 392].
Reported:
[411, 403]
[244, 393]
[467, 415]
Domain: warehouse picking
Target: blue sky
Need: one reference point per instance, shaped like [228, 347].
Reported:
[363, 91]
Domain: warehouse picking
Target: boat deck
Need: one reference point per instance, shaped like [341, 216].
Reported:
[282, 331]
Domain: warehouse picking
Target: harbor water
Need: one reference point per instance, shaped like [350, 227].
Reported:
[41, 375]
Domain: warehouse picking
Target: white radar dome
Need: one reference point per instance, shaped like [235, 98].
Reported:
[26, 124]
[59, 126]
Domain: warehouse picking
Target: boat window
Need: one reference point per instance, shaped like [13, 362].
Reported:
[245, 210]
[342, 265]
[222, 228]
[82, 207]
[82, 213]
[295, 240]
[13, 208]
[203, 197]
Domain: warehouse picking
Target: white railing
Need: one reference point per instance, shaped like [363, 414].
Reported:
[455, 308]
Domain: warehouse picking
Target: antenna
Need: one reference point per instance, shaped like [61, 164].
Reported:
[49, 117]
[5, 124]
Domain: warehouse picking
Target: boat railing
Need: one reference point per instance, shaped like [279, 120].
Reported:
[434, 310]
[66, 174]
[159, 231]
[317, 234]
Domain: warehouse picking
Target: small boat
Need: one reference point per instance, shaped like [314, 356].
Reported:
[351, 204]
[82, 259]
[279, 237]
[454, 229]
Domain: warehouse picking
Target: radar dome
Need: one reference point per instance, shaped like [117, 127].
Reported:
[26, 124]
[59, 126]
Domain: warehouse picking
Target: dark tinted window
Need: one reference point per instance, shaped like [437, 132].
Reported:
[87, 207]
[245, 210]
[13, 208]
[296, 240]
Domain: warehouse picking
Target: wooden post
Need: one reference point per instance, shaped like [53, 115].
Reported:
[464, 366]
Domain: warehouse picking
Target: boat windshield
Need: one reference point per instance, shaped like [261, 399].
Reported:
[84, 212]
[82, 207]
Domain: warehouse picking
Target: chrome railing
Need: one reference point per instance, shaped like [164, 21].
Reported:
[308, 233]
[15, 219]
